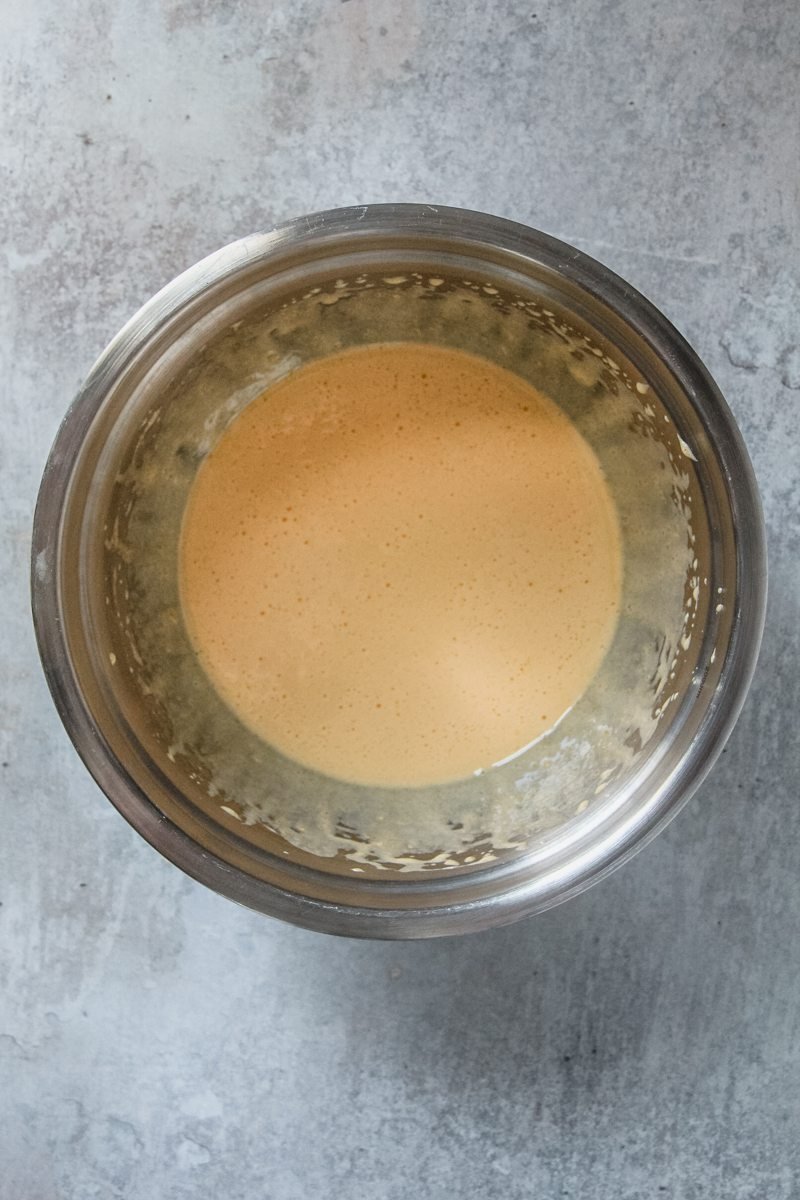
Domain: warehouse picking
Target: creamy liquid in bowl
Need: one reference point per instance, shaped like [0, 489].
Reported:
[401, 565]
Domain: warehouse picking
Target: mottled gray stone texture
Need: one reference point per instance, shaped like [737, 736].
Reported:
[159, 1043]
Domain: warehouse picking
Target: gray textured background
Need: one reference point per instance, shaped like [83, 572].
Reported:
[158, 1043]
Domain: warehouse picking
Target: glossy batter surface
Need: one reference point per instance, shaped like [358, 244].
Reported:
[401, 564]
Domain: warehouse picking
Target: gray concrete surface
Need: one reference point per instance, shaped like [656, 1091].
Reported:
[155, 1040]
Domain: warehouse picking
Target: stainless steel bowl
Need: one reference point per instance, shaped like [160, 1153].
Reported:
[230, 812]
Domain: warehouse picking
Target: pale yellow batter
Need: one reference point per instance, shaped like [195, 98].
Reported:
[401, 564]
